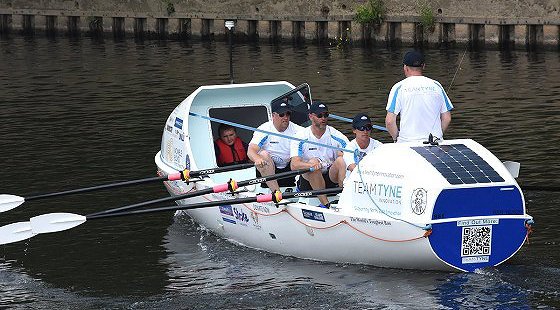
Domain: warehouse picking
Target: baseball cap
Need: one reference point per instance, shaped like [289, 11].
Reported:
[360, 120]
[413, 59]
[280, 106]
[318, 107]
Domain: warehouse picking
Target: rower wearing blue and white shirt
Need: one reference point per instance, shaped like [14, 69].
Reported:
[422, 103]
[329, 168]
[271, 153]
[361, 127]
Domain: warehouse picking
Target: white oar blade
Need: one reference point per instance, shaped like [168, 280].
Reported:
[8, 202]
[15, 232]
[53, 222]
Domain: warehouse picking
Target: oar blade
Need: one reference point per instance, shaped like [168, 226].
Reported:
[15, 232]
[8, 202]
[53, 222]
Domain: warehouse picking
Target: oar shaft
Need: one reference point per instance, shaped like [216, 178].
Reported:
[155, 201]
[98, 187]
[220, 169]
[312, 193]
[176, 176]
[215, 189]
[277, 176]
[541, 188]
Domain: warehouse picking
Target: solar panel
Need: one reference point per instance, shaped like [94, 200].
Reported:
[458, 164]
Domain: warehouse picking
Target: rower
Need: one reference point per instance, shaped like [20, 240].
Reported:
[329, 168]
[361, 127]
[271, 153]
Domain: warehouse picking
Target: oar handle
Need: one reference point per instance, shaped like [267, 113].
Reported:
[219, 203]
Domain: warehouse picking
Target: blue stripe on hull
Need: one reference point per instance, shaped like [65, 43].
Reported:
[478, 201]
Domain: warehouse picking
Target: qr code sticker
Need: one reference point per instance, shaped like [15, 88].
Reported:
[476, 240]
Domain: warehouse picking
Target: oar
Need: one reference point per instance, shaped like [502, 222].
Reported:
[274, 197]
[231, 185]
[8, 202]
[541, 188]
[15, 232]
[54, 222]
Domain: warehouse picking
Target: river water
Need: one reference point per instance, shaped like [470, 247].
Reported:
[80, 112]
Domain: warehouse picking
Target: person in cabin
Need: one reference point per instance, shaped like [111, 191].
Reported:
[422, 103]
[361, 127]
[229, 148]
[329, 167]
[271, 153]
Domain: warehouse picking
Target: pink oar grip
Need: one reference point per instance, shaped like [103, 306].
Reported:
[220, 188]
[264, 198]
[174, 176]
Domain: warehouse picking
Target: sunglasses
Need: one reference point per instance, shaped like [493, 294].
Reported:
[285, 113]
[323, 115]
[365, 128]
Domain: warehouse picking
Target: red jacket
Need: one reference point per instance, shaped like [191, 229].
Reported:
[229, 155]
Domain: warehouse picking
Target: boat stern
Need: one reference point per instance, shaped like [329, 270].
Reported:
[473, 228]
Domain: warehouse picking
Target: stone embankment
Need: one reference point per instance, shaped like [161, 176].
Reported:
[503, 23]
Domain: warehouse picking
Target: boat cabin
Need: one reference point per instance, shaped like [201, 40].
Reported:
[192, 128]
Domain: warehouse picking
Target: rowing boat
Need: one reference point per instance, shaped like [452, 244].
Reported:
[451, 205]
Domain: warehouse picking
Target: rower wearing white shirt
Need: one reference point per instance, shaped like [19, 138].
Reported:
[361, 127]
[271, 153]
[329, 169]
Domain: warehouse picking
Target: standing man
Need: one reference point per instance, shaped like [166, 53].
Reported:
[271, 153]
[229, 148]
[329, 168]
[422, 103]
[361, 127]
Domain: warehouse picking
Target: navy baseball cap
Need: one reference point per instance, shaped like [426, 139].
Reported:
[318, 107]
[280, 106]
[360, 120]
[413, 59]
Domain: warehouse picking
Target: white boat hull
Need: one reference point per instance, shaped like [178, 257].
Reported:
[339, 238]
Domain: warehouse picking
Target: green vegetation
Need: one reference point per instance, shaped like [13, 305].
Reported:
[371, 13]
[427, 18]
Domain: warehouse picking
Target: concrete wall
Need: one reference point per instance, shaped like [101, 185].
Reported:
[488, 23]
